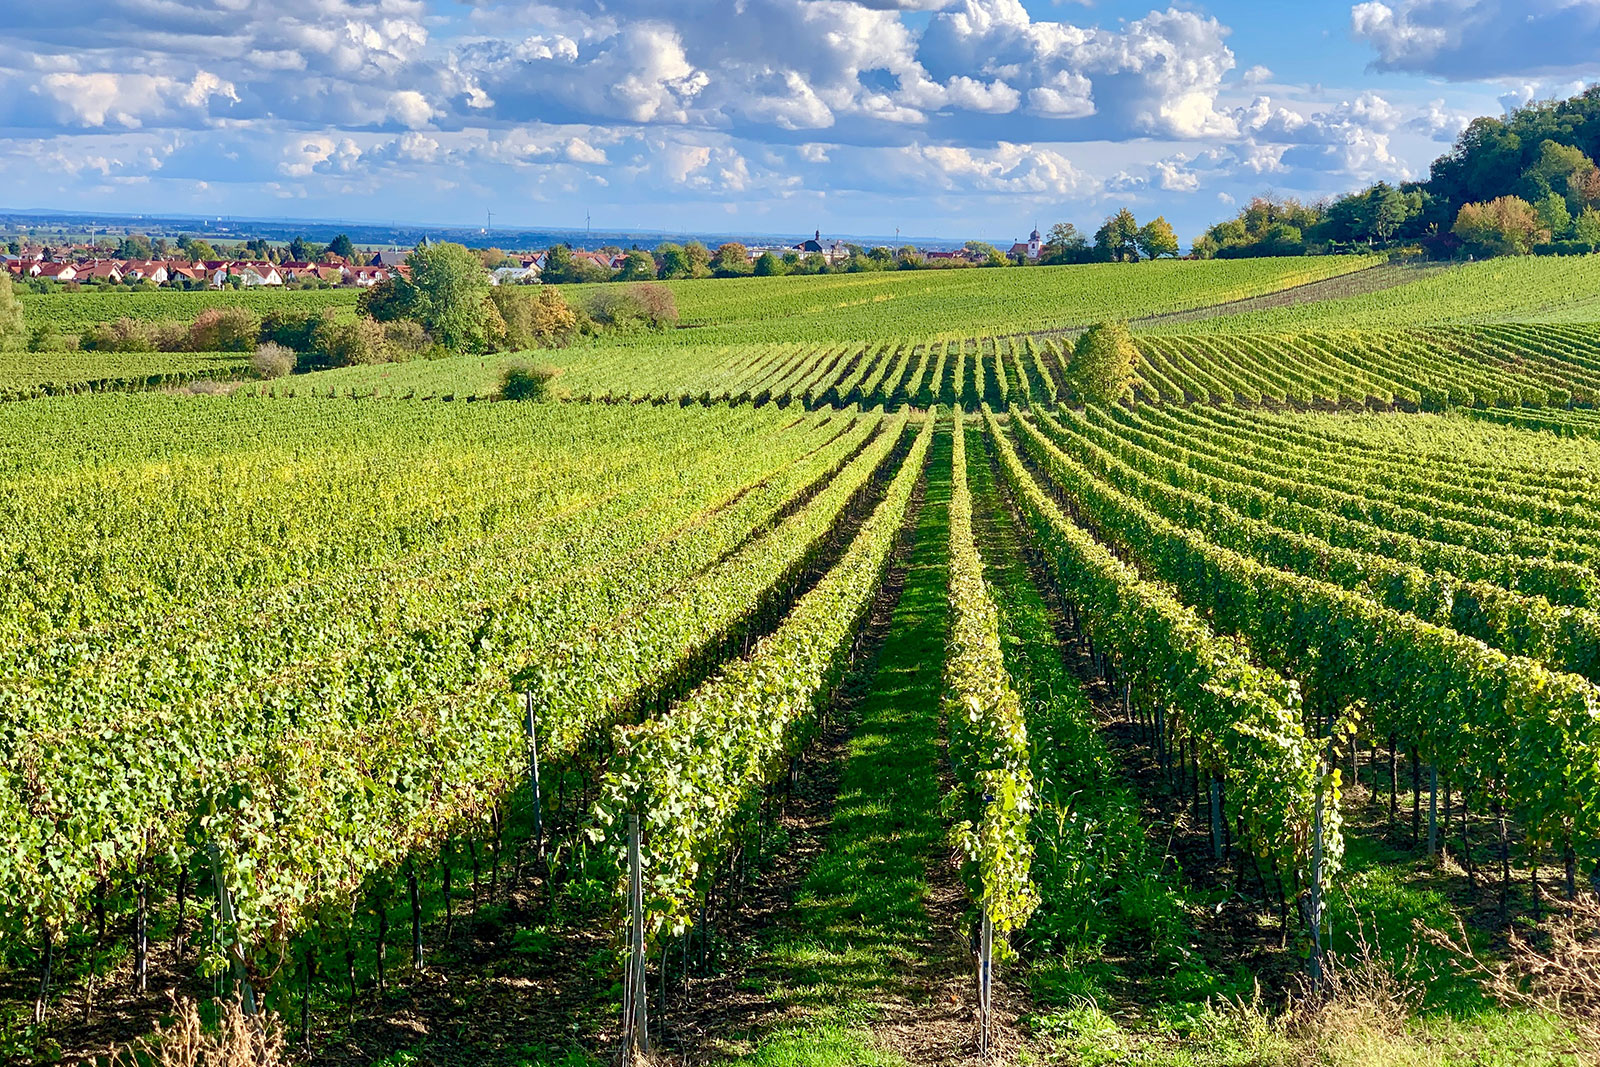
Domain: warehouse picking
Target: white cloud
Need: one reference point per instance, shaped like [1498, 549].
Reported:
[1477, 39]
[102, 99]
[410, 108]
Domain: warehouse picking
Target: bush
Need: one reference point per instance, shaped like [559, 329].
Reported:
[224, 330]
[294, 330]
[48, 337]
[406, 339]
[351, 344]
[272, 361]
[522, 380]
[647, 306]
[534, 317]
[1101, 368]
[124, 335]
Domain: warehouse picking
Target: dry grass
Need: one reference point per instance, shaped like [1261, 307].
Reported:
[238, 1040]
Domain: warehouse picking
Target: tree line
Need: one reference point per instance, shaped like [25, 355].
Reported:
[1526, 183]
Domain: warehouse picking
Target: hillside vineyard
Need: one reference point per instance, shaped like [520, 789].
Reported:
[703, 671]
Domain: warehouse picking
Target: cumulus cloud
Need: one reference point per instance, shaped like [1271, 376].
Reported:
[1476, 39]
[103, 98]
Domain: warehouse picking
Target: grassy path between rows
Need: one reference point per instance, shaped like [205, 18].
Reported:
[856, 948]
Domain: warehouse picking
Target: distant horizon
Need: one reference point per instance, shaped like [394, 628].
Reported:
[596, 234]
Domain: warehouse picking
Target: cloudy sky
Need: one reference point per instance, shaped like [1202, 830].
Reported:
[940, 117]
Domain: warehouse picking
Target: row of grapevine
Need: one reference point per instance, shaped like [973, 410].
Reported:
[988, 736]
[997, 371]
[1560, 560]
[1427, 369]
[1516, 733]
[1245, 721]
[690, 774]
[25, 375]
[284, 774]
[1518, 623]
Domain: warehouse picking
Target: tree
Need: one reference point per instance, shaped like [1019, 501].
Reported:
[1388, 210]
[698, 258]
[342, 247]
[1064, 244]
[301, 251]
[674, 264]
[196, 248]
[1583, 188]
[1554, 216]
[563, 267]
[135, 246]
[1156, 238]
[351, 344]
[388, 301]
[13, 334]
[732, 260]
[769, 266]
[637, 266]
[534, 317]
[1504, 226]
[1587, 227]
[1117, 240]
[1101, 367]
[451, 291]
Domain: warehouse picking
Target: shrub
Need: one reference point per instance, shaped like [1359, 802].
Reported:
[48, 337]
[124, 335]
[293, 329]
[406, 339]
[350, 344]
[647, 306]
[1101, 367]
[534, 317]
[522, 380]
[272, 361]
[224, 330]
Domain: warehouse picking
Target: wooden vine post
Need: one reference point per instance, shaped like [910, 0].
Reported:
[635, 996]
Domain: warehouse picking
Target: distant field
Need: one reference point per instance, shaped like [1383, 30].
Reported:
[30, 374]
[1522, 289]
[76, 311]
[973, 302]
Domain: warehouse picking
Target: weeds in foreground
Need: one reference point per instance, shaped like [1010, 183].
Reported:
[237, 1039]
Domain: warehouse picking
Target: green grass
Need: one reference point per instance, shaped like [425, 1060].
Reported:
[857, 934]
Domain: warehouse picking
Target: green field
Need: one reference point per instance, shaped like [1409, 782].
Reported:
[1282, 670]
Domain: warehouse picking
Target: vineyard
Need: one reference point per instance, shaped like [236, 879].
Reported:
[777, 697]
[964, 303]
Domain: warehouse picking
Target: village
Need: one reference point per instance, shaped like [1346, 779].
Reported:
[260, 264]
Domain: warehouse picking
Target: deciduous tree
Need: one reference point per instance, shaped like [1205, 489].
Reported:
[451, 288]
[1101, 367]
[1157, 239]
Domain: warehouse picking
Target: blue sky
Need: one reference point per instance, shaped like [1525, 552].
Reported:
[954, 118]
